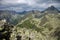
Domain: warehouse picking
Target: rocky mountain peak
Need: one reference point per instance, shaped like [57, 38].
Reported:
[51, 9]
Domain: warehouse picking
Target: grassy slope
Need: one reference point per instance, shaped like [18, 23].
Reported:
[46, 26]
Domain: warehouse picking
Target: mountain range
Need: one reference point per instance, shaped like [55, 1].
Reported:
[31, 25]
[11, 16]
[40, 26]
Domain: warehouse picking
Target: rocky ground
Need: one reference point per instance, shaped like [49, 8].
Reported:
[46, 27]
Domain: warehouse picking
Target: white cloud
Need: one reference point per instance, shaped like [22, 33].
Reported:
[28, 2]
[31, 3]
[13, 2]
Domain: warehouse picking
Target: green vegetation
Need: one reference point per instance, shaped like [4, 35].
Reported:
[43, 20]
[27, 24]
[48, 26]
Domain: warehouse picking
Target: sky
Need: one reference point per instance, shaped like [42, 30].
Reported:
[26, 5]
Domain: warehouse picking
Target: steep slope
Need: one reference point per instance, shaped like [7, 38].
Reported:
[11, 17]
[44, 28]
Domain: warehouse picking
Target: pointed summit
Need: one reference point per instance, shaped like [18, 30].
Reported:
[51, 9]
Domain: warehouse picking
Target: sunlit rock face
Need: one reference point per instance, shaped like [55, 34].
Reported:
[2, 22]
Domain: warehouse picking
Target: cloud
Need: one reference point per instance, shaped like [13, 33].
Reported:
[58, 1]
[28, 4]
[13, 2]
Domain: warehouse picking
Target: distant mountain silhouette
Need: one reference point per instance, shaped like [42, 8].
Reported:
[51, 9]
